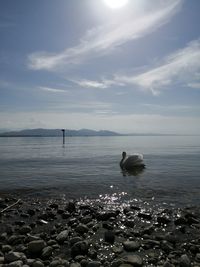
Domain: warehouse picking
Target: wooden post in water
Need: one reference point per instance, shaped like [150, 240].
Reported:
[63, 131]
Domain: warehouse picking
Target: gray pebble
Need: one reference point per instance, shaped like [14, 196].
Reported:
[135, 260]
[38, 264]
[94, 264]
[131, 245]
[36, 246]
[185, 261]
[13, 256]
[62, 236]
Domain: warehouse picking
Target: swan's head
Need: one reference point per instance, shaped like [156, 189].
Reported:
[123, 155]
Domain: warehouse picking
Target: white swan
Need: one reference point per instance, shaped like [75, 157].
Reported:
[131, 162]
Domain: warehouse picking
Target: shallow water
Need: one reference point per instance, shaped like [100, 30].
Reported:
[89, 166]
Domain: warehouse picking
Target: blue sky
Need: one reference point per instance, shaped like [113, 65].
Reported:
[81, 64]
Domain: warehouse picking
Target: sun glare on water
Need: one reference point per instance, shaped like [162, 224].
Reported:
[116, 3]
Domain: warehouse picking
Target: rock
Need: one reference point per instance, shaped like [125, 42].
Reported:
[6, 248]
[59, 262]
[13, 256]
[47, 252]
[125, 265]
[197, 258]
[134, 260]
[75, 264]
[53, 206]
[185, 261]
[109, 237]
[105, 216]
[168, 264]
[2, 259]
[92, 253]
[37, 264]
[35, 247]
[107, 225]
[117, 263]
[81, 229]
[129, 223]
[16, 264]
[131, 245]
[71, 207]
[79, 248]
[84, 263]
[25, 229]
[180, 221]
[62, 236]
[166, 246]
[146, 216]
[16, 239]
[163, 220]
[117, 249]
[94, 264]
[31, 212]
[9, 229]
[74, 240]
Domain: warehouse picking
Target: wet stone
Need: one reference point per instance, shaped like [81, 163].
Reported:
[16, 264]
[79, 248]
[35, 247]
[25, 229]
[37, 264]
[13, 256]
[47, 252]
[168, 264]
[62, 236]
[180, 221]
[146, 216]
[81, 229]
[125, 265]
[75, 264]
[2, 259]
[185, 261]
[94, 264]
[131, 245]
[163, 220]
[6, 248]
[109, 236]
[134, 260]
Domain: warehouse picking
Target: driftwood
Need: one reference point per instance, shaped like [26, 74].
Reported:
[10, 206]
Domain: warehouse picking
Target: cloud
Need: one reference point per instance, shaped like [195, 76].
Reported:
[52, 90]
[104, 39]
[194, 85]
[103, 84]
[180, 67]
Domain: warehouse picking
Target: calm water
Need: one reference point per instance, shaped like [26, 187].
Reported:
[89, 166]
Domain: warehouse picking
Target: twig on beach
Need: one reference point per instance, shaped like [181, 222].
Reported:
[10, 206]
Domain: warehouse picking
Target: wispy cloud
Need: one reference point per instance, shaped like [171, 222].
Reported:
[52, 90]
[104, 39]
[180, 67]
[195, 85]
[103, 84]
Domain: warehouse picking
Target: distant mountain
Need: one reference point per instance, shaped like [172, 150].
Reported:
[57, 132]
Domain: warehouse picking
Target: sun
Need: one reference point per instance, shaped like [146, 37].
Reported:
[116, 3]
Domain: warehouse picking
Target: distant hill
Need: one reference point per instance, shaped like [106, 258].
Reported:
[57, 132]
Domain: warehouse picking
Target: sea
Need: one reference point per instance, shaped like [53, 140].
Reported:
[88, 167]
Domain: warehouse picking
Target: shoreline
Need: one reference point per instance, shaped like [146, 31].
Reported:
[98, 232]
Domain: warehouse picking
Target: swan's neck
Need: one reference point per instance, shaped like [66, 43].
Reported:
[122, 163]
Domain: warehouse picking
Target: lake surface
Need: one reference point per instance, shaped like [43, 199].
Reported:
[89, 166]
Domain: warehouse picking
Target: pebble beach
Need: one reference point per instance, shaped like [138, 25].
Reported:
[96, 233]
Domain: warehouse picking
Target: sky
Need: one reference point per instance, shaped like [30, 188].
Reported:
[83, 64]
